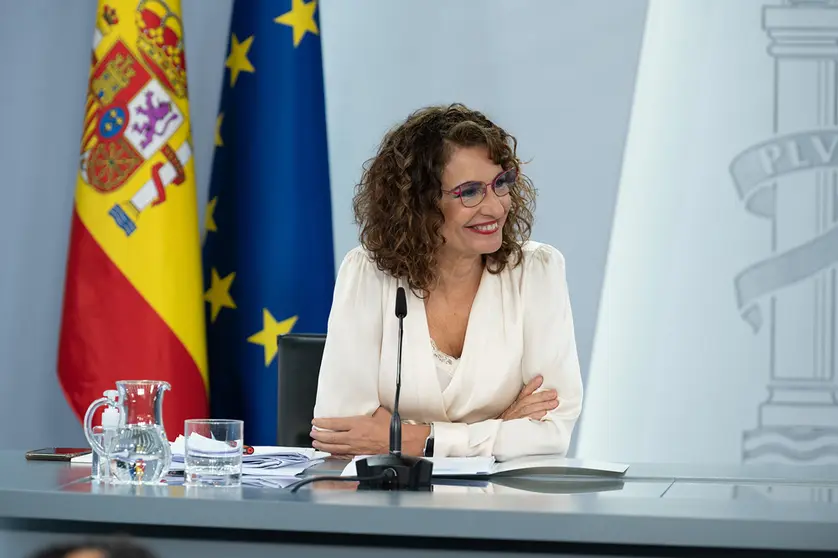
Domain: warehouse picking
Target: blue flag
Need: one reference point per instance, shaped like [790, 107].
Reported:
[268, 256]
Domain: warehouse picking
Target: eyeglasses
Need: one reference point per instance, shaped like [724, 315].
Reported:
[472, 193]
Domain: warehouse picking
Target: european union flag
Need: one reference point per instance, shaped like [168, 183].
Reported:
[268, 256]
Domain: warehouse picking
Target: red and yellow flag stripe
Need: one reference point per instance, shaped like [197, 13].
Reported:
[133, 305]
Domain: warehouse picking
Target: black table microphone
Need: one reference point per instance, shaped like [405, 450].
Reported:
[395, 471]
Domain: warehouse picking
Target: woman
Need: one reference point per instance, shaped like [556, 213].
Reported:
[489, 363]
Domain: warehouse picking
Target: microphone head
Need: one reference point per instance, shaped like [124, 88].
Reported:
[401, 303]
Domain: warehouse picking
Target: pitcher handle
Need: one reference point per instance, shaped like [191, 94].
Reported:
[88, 424]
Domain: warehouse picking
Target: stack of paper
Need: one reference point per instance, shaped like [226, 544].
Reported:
[267, 466]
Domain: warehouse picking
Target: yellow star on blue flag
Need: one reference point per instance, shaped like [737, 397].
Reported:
[268, 255]
[300, 19]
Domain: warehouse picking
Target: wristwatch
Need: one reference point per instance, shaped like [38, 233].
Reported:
[429, 443]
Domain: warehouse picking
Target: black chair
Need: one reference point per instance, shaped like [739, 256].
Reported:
[299, 367]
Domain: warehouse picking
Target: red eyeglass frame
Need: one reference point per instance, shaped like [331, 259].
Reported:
[483, 186]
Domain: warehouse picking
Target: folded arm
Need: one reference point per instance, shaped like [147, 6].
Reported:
[549, 352]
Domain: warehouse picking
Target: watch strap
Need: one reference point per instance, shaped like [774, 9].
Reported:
[429, 443]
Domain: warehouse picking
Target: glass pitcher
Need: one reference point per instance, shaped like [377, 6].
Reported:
[138, 451]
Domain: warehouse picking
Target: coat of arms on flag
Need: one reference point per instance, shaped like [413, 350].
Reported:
[132, 115]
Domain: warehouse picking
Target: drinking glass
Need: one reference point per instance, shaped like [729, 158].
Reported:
[213, 452]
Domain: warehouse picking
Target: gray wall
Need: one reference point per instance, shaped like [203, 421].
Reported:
[558, 74]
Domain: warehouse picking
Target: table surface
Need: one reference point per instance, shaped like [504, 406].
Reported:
[718, 506]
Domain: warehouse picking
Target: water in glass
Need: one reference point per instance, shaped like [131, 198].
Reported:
[213, 452]
[138, 453]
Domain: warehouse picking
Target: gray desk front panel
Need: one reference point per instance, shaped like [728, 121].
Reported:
[643, 512]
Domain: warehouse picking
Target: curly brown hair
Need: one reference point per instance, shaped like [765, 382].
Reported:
[397, 200]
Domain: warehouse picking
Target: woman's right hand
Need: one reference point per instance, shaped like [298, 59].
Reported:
[532, 405]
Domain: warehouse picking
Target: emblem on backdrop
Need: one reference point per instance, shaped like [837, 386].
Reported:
[790, 180]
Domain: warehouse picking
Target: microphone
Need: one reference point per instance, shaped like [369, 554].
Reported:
[395, 471]
[396, 421]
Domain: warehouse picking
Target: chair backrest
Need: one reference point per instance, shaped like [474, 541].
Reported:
[299, 356]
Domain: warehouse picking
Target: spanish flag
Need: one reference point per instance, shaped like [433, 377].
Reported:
[133, 299]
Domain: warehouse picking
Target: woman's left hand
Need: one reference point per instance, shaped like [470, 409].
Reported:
[353, 435]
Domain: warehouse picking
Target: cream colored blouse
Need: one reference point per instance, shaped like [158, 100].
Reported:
[520, 326]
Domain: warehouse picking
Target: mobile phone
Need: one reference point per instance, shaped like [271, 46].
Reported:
[56, 454]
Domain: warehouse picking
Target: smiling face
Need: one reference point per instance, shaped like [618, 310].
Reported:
[478, 230]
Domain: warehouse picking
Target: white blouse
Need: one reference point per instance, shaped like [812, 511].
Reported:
[520, 326]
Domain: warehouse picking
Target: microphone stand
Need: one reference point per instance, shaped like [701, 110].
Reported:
[395, 471]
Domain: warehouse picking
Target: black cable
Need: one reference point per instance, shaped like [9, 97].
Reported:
[384, 474]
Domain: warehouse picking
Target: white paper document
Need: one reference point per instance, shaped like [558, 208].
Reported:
[266, 462]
